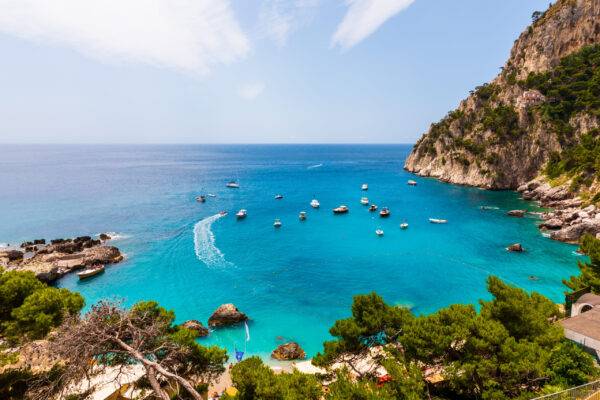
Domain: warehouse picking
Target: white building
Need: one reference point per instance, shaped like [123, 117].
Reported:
[583, 326]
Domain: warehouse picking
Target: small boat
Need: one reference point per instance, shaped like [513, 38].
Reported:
[94, 270]
[201, 199]
[403, 225]
[223, 213]
[437, 221]
[364, 201]
[488, 208]
[379, 232]
[277, 223]
[241, 214]
[278, 196]
[314, 203]
[341, 209]
[211, 195]
[302, 215]
[385, 212]
[373, 207]
[233, 184]
[411, 182]
[364, 187]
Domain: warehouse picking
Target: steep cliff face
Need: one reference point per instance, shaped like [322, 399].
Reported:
[503, 134]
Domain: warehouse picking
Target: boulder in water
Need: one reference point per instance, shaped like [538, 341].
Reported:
[516, 213]
[225, 315]
[196, 326]
[104, 237]
[288, 351]
[515, 247]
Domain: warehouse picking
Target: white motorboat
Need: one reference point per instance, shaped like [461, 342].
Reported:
[373, 207]
[364, 201]
[437, 221]
[241, 214]
[87, 273]
[302, 215]
[385, 212]
[278, 196]
[233, 184]
[315, 203]
[403, 225]
[364, 187]
[412, 183]
[341, 209]
[379, 232]
[277, 223]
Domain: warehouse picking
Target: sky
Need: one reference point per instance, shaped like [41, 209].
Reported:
[245, 71]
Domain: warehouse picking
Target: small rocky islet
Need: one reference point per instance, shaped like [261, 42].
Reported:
[51, 261]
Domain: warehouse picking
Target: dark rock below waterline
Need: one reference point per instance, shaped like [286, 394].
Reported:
[226, 315]
[516, 213]
[288, 351]
[196, 326]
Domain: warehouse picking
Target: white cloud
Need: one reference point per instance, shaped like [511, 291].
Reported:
[250, 91]
[363, 18]
[187, 35]
[280, 18]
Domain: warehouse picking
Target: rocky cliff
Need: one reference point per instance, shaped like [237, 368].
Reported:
[505, 132]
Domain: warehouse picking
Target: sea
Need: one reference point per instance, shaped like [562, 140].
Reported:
[294, 281]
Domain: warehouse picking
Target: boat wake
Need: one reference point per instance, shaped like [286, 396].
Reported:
[315, 166]
[204, 243]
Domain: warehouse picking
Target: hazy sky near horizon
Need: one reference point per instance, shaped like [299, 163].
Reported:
[260, 71]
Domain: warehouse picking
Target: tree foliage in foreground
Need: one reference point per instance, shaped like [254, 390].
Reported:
[589, 272]
[29, 309]
[511, 348]
[110, 336]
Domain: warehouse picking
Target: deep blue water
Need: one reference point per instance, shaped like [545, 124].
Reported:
[293, 282]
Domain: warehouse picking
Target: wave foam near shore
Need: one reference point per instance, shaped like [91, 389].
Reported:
[204, 243]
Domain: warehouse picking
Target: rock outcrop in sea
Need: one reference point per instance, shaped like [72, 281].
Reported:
[52, 261]
[505, 133]
[288, 351]
[226, 315]
[196, 326]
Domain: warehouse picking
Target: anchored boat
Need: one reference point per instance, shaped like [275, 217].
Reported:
[437, 221]
[364, 187]
[94, 270]
[314, 203]
[385, 212]
[341, 209]
[278, 196]
[201, 199]
[302, 215]
[277, 223]
[241, 214]
[403, 225]
[364, 201]
[373, 207]
[379, 232]
[233, 184]
[412, 183]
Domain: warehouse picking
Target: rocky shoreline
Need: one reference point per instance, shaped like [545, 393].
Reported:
[51, 261]
[568, 219]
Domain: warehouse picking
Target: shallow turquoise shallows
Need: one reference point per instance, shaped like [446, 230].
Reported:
[295, 281]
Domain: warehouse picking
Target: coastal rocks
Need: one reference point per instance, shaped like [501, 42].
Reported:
[61, 256]
[516, 213]
[11, 255]
[515, 248]
[226, 315]
[572, 233]
[288, 351]
[552, 224]
[104, 237]
[196, 326]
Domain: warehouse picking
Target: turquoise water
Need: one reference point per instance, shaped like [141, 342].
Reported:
[293, 282]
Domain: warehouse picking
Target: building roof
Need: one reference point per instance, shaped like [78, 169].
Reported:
[589, 298]
[586, 324]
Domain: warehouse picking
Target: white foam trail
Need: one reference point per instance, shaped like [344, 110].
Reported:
[315, 166]
[204, 243]
[116, 236]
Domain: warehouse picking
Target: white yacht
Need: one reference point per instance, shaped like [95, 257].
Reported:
[379, 232]
[403, 225]
[315, 203]
[364, 187]
[241, 214]
[233, 184]
[302, 215]
[364, 201]
[277, 223]
[438, 221]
